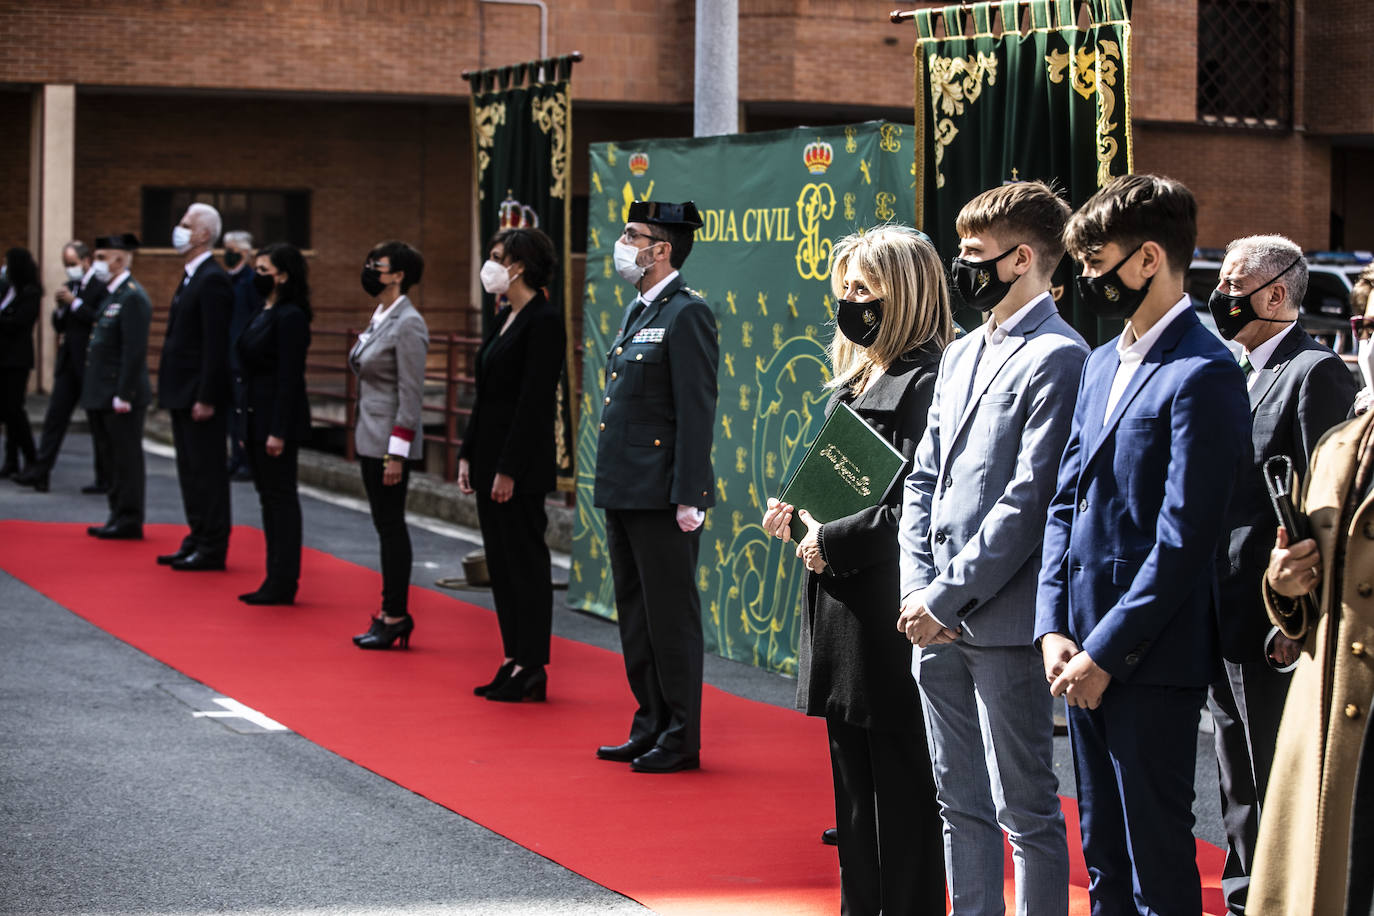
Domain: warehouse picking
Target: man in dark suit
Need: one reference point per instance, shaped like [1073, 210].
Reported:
[1124, 611]
[238, 257]
[115, 390]
[654, 479]
[193, 384]
[1298, 390]
[77, 304]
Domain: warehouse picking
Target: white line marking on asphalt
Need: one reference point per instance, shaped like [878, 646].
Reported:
[233, 709]
[443, 529]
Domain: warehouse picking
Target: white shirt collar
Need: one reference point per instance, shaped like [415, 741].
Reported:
[194, 264]
[9, 297]
[117, 281]
[994, 334]
[90, 273]
[1260, 356]
[383, 312]
[650, 294]
[1130, 348]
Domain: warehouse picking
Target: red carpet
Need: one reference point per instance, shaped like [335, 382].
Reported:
[738, 837]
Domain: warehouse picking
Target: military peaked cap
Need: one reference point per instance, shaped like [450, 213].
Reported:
[658, 213]
[125, 241]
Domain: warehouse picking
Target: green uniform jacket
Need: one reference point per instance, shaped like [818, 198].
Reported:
[117, 356]
[659, 410]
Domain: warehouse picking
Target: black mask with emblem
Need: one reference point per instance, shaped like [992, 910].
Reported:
[859, 321]
[1233, 313]
[1107, 296]
[977, 281]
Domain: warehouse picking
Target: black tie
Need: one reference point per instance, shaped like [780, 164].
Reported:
[635, 311]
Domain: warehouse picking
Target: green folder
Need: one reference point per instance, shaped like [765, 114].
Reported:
[849, 468]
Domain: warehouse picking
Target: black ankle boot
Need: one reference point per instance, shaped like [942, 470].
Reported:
[529, 684]
[389, 633]
[502, 675]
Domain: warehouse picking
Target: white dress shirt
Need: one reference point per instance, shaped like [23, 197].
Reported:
[650, 294]
[1260, 356]
[1131, 350]
[194, 264]
[995, 335]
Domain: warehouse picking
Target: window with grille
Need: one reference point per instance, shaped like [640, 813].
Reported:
[271, 216]
[1245, 63]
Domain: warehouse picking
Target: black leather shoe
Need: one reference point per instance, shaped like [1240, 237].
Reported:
[624, 753]
[32, 477]
[830, 836]
[119, 532]
[502, 675]
[267, 596]
[94, 530]
[196, 561]
[388, 634]
[167, 559]
[95, 488]
[530, 684]
[661, 760]
[373, 629]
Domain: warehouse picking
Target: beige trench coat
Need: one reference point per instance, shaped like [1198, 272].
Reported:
[1302, 859]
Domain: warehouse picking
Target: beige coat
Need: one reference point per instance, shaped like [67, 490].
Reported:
[1302, 860]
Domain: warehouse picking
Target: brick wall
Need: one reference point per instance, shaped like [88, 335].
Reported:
[1337, 45]
[16, 113]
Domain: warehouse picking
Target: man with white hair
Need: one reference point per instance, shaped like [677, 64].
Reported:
[193, 384]
[1298, 390]
[238, 257]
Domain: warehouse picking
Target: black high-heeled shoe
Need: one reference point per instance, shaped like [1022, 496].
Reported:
[374, 625]
[388, 634]
[529, 684]
[502, 675]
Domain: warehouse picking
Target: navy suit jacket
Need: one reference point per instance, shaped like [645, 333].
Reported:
[1131, 543]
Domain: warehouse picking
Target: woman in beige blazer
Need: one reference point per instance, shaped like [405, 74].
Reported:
[389, 360]
[1315, 855]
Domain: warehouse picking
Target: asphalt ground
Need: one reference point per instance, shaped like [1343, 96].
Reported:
[116, 798]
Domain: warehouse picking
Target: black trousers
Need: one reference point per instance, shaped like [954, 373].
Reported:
[892, 854]
[238, 457]
[14, 385]
[66, 394]
[204, 478]
[388, 505]
[119, 436]
[275, 481]
[521, 583]
[1246, 706]
[653, 563]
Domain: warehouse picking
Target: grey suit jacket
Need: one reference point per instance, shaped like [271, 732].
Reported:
[390, 365]
[974, 505]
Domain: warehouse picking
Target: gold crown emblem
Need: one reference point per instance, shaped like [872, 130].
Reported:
[515, 215]
[869, 317]
[983, 278]
[1111, 293]
[639, 163]
[818, 155]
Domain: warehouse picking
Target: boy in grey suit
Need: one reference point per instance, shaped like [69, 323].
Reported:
[970, 535]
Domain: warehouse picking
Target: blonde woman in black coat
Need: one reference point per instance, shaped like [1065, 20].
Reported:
[507, 455]
[853, 666]
[20, 295]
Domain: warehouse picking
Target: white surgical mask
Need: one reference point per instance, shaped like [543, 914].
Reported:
[181, 239]
[495, 277]
[1365, 358]
[75, 273]
[626, 262]
[101, 271]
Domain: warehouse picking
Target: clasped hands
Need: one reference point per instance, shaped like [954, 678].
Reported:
[917, 624]
[777, 522]
[1072, 673]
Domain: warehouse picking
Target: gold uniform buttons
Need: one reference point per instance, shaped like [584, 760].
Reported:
[639, 356]
[614, 376]
[656, 443]
[608, 400]
[603, 425]
[1352, 711]
[1357, 649]
[619, 350]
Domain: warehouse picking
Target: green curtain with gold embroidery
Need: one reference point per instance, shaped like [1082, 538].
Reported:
[522, 141]
[772, 205]
[1009, 91]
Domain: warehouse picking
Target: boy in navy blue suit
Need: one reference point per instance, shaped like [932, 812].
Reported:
[1124, 610]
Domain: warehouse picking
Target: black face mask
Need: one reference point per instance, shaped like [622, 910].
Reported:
[977, 281]
[264, 284]
[372, 281]
[859, 321]
[232, 258]
[1233, 313]
[1106, 296]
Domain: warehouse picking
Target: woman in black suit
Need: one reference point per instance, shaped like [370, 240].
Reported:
[275, 417]
[507, 455]
[893, 317]
[19, 301]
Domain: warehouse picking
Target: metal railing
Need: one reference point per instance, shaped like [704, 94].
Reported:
[451, 364]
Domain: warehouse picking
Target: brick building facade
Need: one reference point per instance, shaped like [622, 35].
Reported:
[360, 104]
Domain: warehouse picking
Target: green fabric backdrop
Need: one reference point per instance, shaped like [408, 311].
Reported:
[1050, 103]
[773, 204]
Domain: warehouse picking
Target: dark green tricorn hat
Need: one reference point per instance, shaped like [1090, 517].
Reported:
[124, 241]
[657, 213]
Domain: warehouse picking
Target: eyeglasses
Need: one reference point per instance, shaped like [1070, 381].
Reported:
[1361, 327]
[631, 235]
[380, 266]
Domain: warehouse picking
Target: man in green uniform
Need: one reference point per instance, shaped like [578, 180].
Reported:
[654, 479]
[115, 390]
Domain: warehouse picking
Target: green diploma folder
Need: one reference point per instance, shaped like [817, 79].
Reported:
[849, 468]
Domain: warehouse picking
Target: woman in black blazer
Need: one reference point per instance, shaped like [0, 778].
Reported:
[19, 301]
[275, 417]
[507, 455]
[853, 665]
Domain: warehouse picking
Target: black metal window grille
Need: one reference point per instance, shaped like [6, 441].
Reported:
[271, 215]
[1245, 63]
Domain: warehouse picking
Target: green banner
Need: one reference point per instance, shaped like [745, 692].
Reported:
[521, 139]
[1009, 91]
[772, 205]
